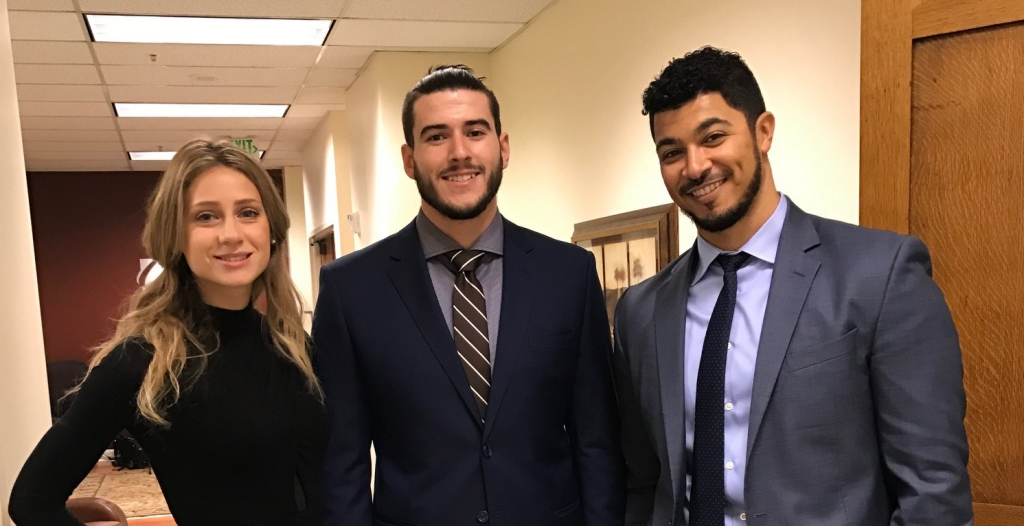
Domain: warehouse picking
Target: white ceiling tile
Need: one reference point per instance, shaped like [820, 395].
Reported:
[149, 166]
[29, 135]
[115, 53]
[312, 95]
[77, 155]
[330, 77]
[68, 123]
[58, 92]
[76, 166]
[39, 25]
[409, 34]
[173, 145]
[293, 157]
[299, 123]
[139, 140]
[72, 146]
[298, 134]
[52, 74]
[248, 9]
[145, 123]
[346, 57]
[40, 5]
[313, 110]
[38, 52]
[185, 76]
[286, 146]
[457, 10]
[204, 95]
[64, 109]
[161, 146]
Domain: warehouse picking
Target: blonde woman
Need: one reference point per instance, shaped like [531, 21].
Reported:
[221, 397]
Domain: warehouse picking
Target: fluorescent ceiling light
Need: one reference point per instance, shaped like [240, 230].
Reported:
[193, 30]
[160, 156]
[131, 109]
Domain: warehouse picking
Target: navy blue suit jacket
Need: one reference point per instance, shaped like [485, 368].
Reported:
[548, 453]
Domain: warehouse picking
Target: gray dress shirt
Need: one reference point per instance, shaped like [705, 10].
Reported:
[435, 243]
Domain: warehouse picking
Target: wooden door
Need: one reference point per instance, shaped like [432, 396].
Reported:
[942, 157]
[321, 252]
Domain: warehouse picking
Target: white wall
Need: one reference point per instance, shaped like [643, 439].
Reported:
[319, 181]
[570, 87]
[298, 239]
[24, 401]
[326, 165]
[384, 196]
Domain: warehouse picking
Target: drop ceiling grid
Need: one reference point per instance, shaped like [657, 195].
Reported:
[67, 84]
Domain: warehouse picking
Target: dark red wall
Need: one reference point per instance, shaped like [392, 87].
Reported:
[87, 230]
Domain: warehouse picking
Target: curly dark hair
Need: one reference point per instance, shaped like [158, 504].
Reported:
[706, 70]
[446, 78]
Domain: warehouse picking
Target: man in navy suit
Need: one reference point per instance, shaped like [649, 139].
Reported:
[472, 353]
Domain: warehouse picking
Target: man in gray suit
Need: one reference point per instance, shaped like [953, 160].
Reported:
[787, 370]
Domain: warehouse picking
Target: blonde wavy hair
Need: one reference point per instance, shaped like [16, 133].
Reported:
[169, 312]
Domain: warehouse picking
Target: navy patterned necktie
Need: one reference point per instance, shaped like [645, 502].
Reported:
[469, 323]
[707, 488]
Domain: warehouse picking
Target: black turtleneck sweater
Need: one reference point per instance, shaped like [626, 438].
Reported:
[245, 445]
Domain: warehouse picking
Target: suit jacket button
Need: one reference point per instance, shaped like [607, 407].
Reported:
[483, 517]
[487, 452]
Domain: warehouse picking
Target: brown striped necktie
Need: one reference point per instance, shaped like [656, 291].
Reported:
[469, 321]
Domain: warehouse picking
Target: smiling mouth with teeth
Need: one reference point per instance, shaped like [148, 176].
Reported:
[233, 259]
[460, 178]
[706, 189]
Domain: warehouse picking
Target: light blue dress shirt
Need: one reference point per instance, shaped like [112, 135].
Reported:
[752, 283]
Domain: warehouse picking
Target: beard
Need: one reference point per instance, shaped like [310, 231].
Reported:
[726, 219]
[428, 191]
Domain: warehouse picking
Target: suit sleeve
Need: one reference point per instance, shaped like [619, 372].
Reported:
[347, 461]
[593, 421]
[917, 383]
[69, 450]
[642, 466]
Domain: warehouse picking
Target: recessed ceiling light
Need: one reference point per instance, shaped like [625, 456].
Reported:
[161, 156]
[194, 30]
[132, 109]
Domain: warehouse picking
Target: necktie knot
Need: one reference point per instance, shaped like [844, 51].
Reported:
[730, 263]
[462, 260]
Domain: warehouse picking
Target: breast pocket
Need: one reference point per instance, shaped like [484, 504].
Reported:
[552, 340]
[822, 352]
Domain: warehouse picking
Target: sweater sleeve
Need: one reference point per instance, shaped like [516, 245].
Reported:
[103, 406]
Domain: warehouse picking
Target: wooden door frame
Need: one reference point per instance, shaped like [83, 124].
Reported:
[888, 31]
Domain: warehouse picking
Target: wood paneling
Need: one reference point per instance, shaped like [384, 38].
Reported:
[885, 110]
[997, 515]
[966, 190]
[964, 202]
[938, 17]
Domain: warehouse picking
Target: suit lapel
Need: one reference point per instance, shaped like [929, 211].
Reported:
[791, 280]
[669, 324]
[517, 291]
[408, 272]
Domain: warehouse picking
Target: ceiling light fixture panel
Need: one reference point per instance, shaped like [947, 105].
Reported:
[202, 30]
[144, 109]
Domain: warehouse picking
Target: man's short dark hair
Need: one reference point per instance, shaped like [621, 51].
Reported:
[706, 70]
[446, 78]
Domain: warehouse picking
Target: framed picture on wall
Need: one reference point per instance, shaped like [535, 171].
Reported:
[629, 247]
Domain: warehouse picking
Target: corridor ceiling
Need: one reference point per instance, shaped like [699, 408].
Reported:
[67, 84]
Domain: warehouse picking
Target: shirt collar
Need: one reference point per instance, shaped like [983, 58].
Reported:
[435, 242]
[764, 245]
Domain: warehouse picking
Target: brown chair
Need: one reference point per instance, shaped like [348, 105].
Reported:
[96, 511]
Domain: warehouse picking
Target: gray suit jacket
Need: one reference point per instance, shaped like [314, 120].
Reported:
[857, 411]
